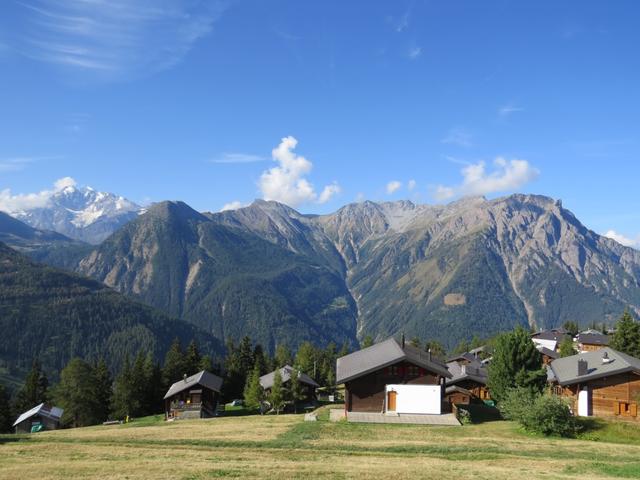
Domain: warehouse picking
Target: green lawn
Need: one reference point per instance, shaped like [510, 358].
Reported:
[287, 447]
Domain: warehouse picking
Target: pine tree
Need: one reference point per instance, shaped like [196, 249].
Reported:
[174, 364]
[436, 348]
[277, 394]
[416, 342]
[35, 390]
[566, 348]
[253, 391]
[6, 415]
[626, 338]
[260, 359]
[282, 356]
[104, 388]
[206, 364]
[516, 363]
[571, 327]
[76, 393]
[344, 350]
[124, 400]
[367, 342]
[305, 359]
[192, 358]
[238, 364]
[296, 389]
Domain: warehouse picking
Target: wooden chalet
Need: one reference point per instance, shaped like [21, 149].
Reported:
[196, 396]
[589, 342]
[392, 377]
[600, 383]
[550, 339]
[40, 417]
[286, 372]
[470, 381]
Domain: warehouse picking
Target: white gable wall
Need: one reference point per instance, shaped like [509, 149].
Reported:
[417, 399]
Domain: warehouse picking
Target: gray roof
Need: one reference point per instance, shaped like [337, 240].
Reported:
[468, 356]
[204, 378]
[565, 370]
[455, 388]
[474, 371]
[593, 338]
[549, 353]
[53, 413]
[266, 381]
[381, 355]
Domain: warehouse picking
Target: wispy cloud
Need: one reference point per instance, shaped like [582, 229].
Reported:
[411, 184]
[393, 186]
[114, 38]
[235, 205]
[458, 136]
[11, 203]
[238, 158]
[623, 240]
[414, 52]
[287, 183]
[15, 164]
[509, 109]
[507, 175]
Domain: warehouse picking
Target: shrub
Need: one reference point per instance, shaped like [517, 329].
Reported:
[539, 413]
[464, 417]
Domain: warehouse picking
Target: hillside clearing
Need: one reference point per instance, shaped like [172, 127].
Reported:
[286, 447]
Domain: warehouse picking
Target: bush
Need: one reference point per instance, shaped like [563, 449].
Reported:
[544, 414]
[464, 417]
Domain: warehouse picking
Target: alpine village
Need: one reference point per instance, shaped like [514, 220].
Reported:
[274, 239]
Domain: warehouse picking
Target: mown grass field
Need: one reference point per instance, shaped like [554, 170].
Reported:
[287, 447]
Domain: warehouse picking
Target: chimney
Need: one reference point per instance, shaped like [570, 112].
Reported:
[402, 340]
[583, 367]
[605, 358]
[184, 377]
[464, 369]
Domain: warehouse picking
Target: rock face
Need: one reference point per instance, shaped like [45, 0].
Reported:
[439, 272]
[81, 214]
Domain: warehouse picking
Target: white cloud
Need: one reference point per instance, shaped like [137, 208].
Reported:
[393, 186]
[287, 183]
[15, 164]
[26, 201]
[235, 205]
[411, 184]
[626, 241]
[507, 175]
[114, 38]
[238, 158]
[414, 53]
[328, 192]
[508, 109]
[458, 136]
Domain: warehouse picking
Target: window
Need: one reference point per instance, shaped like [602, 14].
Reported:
[413, 371]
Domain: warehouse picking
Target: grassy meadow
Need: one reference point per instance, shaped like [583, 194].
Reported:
[287, 447]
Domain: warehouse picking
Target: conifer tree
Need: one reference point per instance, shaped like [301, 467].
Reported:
[282, 356]
[125, 401]
[174, 364]
[253, 391]
[436, 348]
[35, 390]
[566, 348]
[76, 394]
[305, 360]
[516, 363]
[415, 342]
[571, 327]
[260, 359]
[104, 388]
[367, 342]
[192, 358]
[206, 363]
[296, 389]
[277, 394]
[6, 415]
[626, 338]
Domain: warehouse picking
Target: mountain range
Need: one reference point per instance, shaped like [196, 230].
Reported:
[449, 272]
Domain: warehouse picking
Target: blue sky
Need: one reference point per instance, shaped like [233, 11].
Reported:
[323, 103]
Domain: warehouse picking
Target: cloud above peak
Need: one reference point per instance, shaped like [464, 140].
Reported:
[623, 240]
[21, 202]
[287, 183]
[506, 175]
[114, 38]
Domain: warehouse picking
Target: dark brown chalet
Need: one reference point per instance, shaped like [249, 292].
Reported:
[367, 373]
[468, 383]
[196, 396]
[600, 383]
